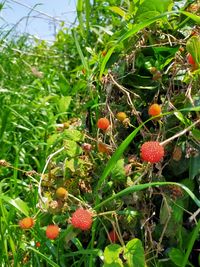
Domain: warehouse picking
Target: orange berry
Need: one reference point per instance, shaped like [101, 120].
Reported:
[154, 110]
[121, 116]
[52, 231]
[61, 193]
[104, 53]
[103, 148]
[37, 244]
[103, 124]
[26, 223]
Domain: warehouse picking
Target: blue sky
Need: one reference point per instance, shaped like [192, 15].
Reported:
[38, 24]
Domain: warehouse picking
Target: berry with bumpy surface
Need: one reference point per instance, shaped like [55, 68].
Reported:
[154, 110]
[152, 151]
[121, 116]
[26, 223]
[82, 219]
[61, 193]
[52, 231]
[103, 124]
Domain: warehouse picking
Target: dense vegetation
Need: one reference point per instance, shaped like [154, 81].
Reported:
[56, 157]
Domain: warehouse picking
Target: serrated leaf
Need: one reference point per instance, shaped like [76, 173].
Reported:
[134, 253]
[74, 135]
[111, 255]
[72, 148]
[118, 172]
[63, 103]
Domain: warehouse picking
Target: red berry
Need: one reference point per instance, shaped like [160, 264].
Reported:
[52, 231]
[152, 151]
[112, 236]
[26, 223]
[190, 59]
[82, 219]
[103, 124]
[154, 110]
[37, 244]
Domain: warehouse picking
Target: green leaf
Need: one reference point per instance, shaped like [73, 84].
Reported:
[111, 255]
[176, 256]
[192, 16]
[72, 148]
[84, 62]
[136, 188]
[151, 8]
[74, 135]
[194, 168]
[41, 255]
[118, 172]
[19, 204]
[63, 103]
[118, 11]
[134, 253]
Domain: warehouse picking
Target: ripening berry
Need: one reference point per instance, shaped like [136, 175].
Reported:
[37, 244]
[112, 236]
[103, 148]
[152, 151]
[82, 219]
[104, 53]
[61, 193]
[177, 153]
[86, 147]
[103, 124]
[52, 231]
[26, 223]
[154, 110]
[121, 116]
[191, 60]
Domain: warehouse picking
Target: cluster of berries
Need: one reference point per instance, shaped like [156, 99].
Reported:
[81, 219]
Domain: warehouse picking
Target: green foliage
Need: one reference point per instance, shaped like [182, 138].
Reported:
[120, 56]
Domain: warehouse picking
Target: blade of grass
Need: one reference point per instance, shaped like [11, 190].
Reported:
[87, 15]
[140, 187]
[191, 16]
[190, 245]
[136, 28]
[79, 9]
[80, 52]
[52, 263]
